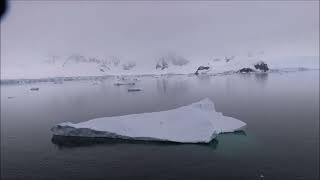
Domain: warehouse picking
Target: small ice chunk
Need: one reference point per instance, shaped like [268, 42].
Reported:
[122, 84]
[134, 90]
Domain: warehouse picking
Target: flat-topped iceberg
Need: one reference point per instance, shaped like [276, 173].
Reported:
[194, 123]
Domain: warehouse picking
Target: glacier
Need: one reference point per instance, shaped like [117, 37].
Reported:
[198, 122]
[87, 67]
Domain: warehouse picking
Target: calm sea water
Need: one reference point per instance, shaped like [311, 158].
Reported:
[281, 140]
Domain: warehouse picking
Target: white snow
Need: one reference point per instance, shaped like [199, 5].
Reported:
[76, 66]
[194, 123]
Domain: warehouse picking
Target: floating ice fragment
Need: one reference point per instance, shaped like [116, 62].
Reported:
[194, 123]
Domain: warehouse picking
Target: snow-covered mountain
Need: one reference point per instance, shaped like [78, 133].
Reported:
[80, 65]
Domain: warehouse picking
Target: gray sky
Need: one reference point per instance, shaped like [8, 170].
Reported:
[143, 30]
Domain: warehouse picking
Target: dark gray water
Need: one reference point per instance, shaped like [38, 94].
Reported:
[280, 142]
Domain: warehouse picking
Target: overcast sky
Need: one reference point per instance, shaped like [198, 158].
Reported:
[143, 30]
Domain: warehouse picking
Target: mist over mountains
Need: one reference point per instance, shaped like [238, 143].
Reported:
[75, 65]
[45, 39]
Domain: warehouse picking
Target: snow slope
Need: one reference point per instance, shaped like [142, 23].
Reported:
[194, 123]
[78, 65]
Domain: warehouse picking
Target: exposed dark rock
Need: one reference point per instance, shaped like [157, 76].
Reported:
[34, 89]
[200, 68]
[158, 66]
[162, 64]
[203, 68]
[261, 66]
[229, 58]
[246, 70]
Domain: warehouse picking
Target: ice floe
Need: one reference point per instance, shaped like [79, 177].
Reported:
[195, 123]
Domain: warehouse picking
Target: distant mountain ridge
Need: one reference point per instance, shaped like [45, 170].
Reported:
[171, 63]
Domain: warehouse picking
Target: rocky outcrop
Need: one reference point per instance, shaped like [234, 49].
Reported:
[227, 59]
[201, 68]
[261, 66]
[162, 64]
[246, 70]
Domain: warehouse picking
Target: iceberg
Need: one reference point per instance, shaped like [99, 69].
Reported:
[195, 123]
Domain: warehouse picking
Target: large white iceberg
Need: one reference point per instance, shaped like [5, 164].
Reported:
[194, 123]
